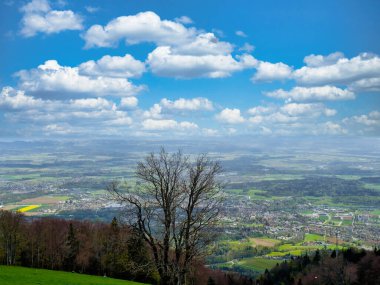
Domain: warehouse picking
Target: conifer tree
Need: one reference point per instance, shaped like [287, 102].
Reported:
[72, 245]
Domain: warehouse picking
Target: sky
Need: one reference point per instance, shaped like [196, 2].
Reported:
[189, 69]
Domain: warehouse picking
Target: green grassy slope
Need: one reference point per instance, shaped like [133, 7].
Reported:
[10, 275]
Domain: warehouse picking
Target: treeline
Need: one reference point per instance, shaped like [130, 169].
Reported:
[113, 250]
[317, 186]
[349, 267]
[80, 246]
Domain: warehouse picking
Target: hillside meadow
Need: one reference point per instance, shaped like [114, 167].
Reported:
[13, 275]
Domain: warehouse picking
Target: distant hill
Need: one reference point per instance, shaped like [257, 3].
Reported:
[13, 275]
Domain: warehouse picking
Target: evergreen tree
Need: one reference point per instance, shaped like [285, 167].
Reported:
[113, 247]
[305, 260]
[333, 254]
[210, 281]
[317, 257]
[72, 245]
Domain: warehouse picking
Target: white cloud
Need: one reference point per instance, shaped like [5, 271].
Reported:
[371, 119]
[92, 9]
[16, 99]
[344, 71]
[55, 129]
[184, 20]
[162, 125]
[113, 66]
[79, 116]
[40, 18]
[182, 104]
[93, 103]
[153, 112]
[163, 62]
[366, 84]
[288, 116]
[129, 102]
[142, 27]
[120, 121]
[180, 52]
[36, 6]
[320, 60]
[259, 110]
[204, 44]
[241, 34]
[52, 77]
[312, 109]
[360, 73]
[267, 71]
[230, 116]
[256, 119]
[210, 132]
[321, 93]
[366, 124]
[280, 117]
[247, 48]
[330, 128]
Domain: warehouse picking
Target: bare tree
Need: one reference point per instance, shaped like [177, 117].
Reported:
[10, 231]
[174, 210]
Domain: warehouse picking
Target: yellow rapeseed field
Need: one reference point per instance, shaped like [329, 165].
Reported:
[28, 208]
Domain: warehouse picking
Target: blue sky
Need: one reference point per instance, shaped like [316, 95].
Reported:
[189, 68]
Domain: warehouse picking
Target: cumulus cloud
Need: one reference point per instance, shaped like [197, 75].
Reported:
[92, 103]
[181, 52]
[210, 132]
[267, 71]
[290, 114]
[38, 17]
[247, 48]
[181, 104]
[230, 116]
[142, 27]
[162, 125]
[366, 84]
[92, 9]
[329, 128]
[341, 70]
[360, 73]
[163, 62]
[320, 60]
[113, 66]
[311, 110]
[16, 99]
[294, 119]
[241, 34]
[184, 20]
[204, 44]
[129, 102]
[52, 77]
[259, 110]
[62, 116]
[148, 27]
[153, 112]
[320, 93]
[371, 119]
[365, 124]
[58, 129]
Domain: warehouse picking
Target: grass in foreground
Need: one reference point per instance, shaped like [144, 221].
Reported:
[11, 275]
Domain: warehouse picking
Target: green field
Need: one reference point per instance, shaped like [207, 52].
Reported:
[10, 275]
[313, 237]
[258, 263]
